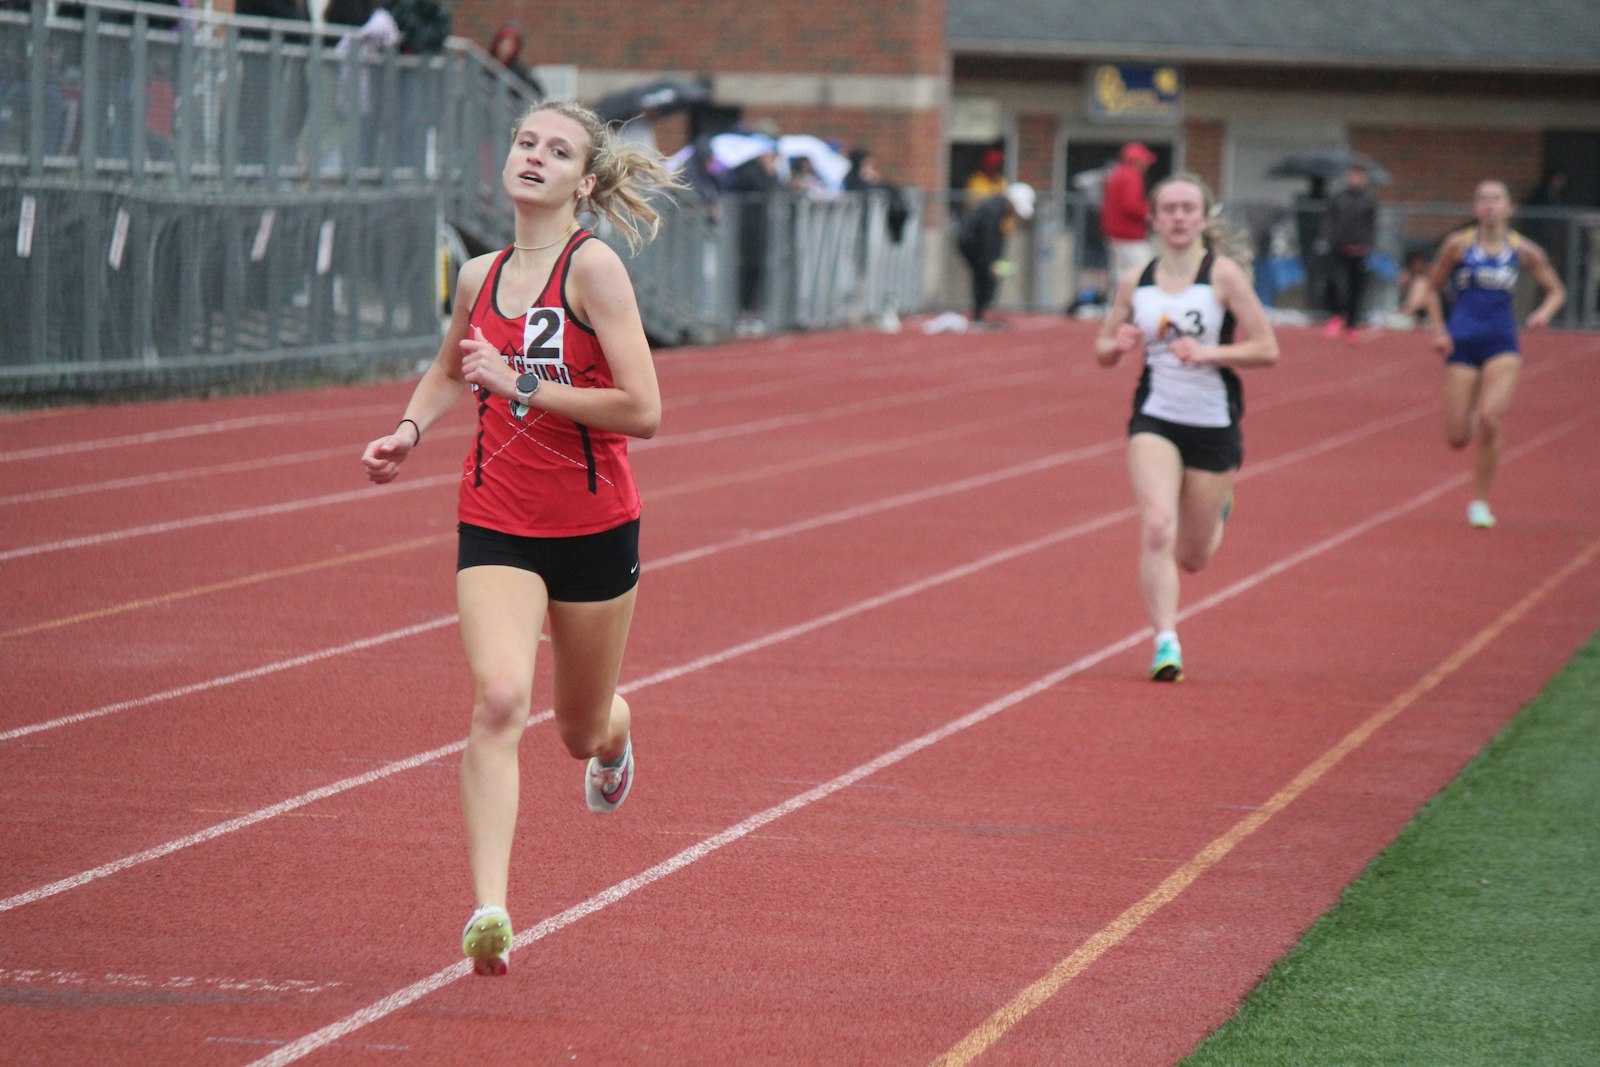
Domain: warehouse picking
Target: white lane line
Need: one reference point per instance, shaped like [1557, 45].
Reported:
[359, 645]
[743, 540]
[667, 674]
[177, 433]
[367, 492]
[401, 998]
[651, 566]
[435, 434]
[140, 481]
[429, 482]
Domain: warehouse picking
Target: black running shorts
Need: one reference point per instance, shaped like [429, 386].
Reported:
[589, 567]
[1205, 448]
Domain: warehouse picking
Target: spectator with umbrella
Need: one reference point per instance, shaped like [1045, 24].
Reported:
[1320, 167]
[639, 106]
[1350, 228]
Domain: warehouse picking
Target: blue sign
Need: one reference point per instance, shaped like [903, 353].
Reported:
[1134, 92]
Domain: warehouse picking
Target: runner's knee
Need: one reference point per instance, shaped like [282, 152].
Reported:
[501, 707]
[1159, 530]
[582, 734]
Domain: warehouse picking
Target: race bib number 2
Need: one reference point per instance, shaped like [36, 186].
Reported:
[542, 339]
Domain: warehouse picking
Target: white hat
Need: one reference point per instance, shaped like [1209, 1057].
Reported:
[1022, 197]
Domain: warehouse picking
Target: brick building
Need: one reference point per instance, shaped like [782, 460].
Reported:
[1442, 92]
[875, 73]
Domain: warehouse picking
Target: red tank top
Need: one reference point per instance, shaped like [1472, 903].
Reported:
[529, 472]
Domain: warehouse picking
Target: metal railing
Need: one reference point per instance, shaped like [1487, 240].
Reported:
[1060, 257]
[200, 197]
[114, 289]
[757, 264]
[148, 96]
[197, 196]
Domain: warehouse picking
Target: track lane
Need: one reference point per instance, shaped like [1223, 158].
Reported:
[776, 667]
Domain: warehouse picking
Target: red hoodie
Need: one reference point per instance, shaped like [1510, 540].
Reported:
[1124, 213]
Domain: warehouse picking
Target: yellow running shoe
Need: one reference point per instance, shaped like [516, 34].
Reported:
[487, 940]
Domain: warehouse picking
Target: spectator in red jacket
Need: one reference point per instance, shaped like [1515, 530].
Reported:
[1124, 212]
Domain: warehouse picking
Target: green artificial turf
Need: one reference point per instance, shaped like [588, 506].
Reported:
[1475, 937]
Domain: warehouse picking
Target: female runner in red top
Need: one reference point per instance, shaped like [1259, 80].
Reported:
[547, 338]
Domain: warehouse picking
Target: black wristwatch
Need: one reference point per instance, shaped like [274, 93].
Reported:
[527, 385]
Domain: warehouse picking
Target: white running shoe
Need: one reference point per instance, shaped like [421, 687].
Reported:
[486, 941]
[605, 788]
[1479, 517]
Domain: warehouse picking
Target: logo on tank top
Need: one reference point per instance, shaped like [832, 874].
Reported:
[1169, 331]
[1489, 275]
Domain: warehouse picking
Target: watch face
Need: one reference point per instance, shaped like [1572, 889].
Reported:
[528, 384]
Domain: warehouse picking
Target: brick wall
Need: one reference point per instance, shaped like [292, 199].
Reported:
[819, 36]
[1202, 150]
[1036, 143]
[888, 38]
[1447, 164]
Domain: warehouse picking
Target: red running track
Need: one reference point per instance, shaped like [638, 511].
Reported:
[904, 794]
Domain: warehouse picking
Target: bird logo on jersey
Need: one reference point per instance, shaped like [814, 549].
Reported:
[1168, 331]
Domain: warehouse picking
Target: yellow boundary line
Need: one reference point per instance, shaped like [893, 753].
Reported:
[1109, 936]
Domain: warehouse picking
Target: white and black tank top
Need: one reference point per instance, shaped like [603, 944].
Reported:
[1176, 391]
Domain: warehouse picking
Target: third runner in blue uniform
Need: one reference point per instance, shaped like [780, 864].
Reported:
[1481, 265]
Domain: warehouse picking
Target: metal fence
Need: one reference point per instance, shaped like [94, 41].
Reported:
[199, 197]
[144, 95]
[116, 288]
[1060, 257]
[748, 264]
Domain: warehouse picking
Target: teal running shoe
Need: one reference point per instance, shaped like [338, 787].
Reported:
[1168, 664]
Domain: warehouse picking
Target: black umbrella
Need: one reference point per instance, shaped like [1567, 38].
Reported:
[1327, 164]
[661, 97]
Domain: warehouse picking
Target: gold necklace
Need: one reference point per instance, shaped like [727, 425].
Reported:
[541, 248]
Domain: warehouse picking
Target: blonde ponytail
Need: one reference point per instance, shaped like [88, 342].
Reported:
[626, 176]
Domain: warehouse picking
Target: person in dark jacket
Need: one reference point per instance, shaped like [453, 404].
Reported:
[864, 177]
[982, 240]
[753, 184]
[1350, 228]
